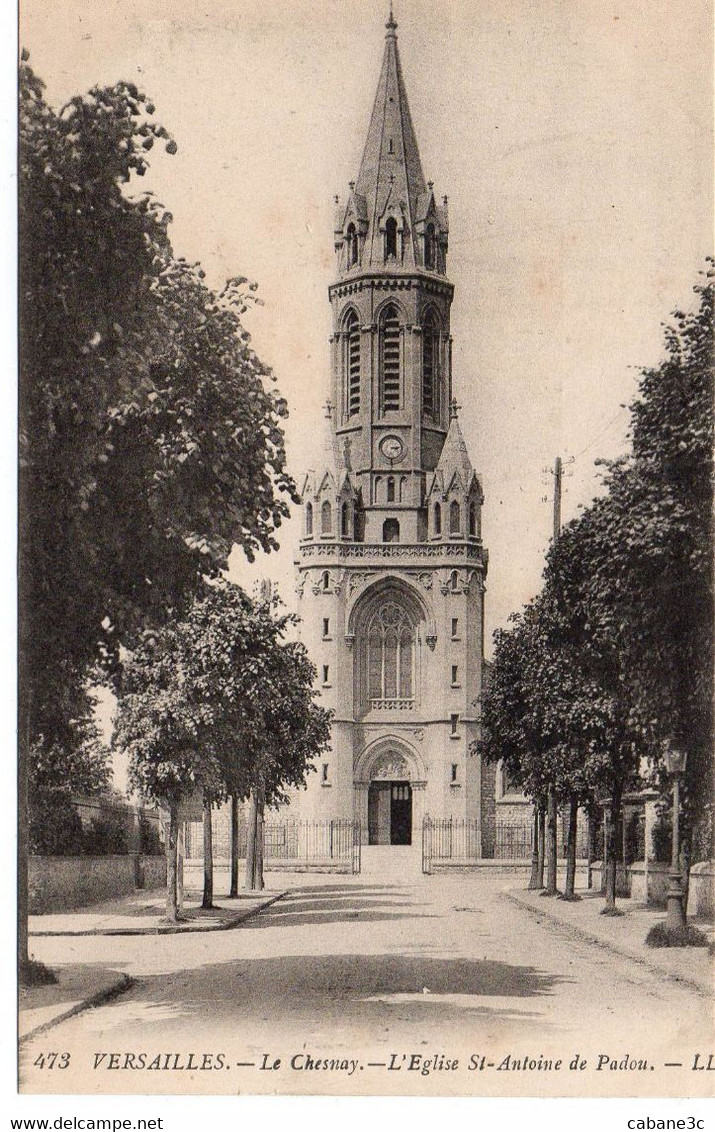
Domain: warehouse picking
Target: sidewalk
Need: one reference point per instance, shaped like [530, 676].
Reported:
[624, 934]
[142, 913]
[79, 986]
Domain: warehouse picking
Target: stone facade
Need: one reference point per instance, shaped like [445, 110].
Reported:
[391, 566]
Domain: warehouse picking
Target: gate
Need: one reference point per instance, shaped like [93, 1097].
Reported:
[427, 844]
[356, 847]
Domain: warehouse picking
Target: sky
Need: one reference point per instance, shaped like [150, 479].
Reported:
[572, 137]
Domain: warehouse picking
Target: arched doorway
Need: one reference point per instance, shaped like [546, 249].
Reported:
[389, 812]
[389, 792]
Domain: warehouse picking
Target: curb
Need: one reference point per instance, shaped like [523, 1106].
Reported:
[169, 929]
[583, 934]
[122, 984]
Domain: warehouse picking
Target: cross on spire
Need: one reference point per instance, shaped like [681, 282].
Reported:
[454, 409]
[391, 24]
[328, 406]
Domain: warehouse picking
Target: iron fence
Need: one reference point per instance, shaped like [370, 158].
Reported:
[449, 839]
[513, 842]
[296, 840]
[461, 841]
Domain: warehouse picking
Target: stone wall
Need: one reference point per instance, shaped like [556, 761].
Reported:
[57, 884]
[651, 887]
[656, 879]
[701, 897]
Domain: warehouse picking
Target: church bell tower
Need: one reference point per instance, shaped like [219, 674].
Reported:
[391, 564]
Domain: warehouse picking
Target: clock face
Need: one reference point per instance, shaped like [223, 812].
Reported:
[391, 447]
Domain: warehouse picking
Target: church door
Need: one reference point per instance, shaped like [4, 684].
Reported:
[389, 813]
[400, 813]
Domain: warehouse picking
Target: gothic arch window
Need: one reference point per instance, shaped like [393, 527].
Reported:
[437, 519]
[309, 518]
[430, 248]
[326, 579]
[472, 519]
[454, 581]
[391, 531]
[352, 245]
[455, 517]
[351, 363]
[430, 365]
[390, 655]
[390, 489]
[391, 238]
[345, 520]
[390, 359]
[326, 518]
[403, 485]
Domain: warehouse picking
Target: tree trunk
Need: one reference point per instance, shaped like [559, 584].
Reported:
[611, 862]
[172, 848]
[180, 854]
[589, 849]
[542, 845]
[23, 854]
[208, 901]
[534, 878]
[260, 808]
[570, 885]
[551, 844]
[249, 883]
[234, 847]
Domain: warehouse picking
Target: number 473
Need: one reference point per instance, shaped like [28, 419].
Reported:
[52, 1061]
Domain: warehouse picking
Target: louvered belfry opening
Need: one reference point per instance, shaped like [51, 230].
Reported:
[352, 329]
[430, 353]
[390, 360]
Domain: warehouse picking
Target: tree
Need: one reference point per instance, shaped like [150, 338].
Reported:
[596, 706]
[294, 731]
[543, 710]
[218, 701]
[658, 578]
[634, 580]
[511, 731]
[149, 445]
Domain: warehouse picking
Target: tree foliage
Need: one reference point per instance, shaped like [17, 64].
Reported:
[219, 701]
[149, 443]
[56, 774]
[614, 657]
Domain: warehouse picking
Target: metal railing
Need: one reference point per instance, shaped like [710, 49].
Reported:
[513, 842]
[460, 841]
[300, 841]
[449, 839]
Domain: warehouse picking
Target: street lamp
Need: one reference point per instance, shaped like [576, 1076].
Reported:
[675, 760]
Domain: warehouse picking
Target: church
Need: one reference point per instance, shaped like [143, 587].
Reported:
[391, 566]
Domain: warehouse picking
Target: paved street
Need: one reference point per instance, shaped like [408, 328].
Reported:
[365, 974]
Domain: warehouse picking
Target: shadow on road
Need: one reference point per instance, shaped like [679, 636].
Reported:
[361, 994]
[320, 906]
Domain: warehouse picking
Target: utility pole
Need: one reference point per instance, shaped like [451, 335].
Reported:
[558, 476]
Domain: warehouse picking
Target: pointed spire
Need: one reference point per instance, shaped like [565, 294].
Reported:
[454, 456]
[391, 170]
